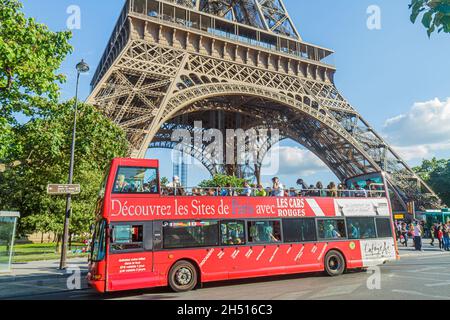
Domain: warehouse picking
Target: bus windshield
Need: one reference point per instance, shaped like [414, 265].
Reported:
[131, 180]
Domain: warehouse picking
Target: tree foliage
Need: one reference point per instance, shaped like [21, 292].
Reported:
[30, 55]
[222, 181]
[436, 173]
[42, 154]
[436, 14]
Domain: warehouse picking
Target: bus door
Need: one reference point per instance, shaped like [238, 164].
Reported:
[130, 258]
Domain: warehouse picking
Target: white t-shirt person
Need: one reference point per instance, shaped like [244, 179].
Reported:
[278, 188]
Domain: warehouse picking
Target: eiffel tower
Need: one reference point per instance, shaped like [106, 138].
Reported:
[237, 64]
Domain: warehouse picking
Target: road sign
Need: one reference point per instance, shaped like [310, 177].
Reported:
[63, 189]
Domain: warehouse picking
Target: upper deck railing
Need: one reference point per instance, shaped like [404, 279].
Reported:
[172, 13]
[376, 191]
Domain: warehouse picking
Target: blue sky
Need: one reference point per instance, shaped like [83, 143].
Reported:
[395, 76]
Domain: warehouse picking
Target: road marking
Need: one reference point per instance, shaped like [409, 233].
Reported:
[411, 277]
[336, 291]
[292, 295]
[439, 284]
[415, 293]
[427, 269]
[424, 272]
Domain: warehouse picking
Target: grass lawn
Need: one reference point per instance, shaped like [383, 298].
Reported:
[40, 252]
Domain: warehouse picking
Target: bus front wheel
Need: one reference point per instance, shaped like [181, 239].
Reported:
[334, 263]
[183, 276]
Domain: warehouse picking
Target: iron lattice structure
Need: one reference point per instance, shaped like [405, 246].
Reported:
[236, 64]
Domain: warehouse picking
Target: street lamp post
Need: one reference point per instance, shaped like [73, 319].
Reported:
[81, 67]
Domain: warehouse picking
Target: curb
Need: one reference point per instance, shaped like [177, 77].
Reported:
[43, 277]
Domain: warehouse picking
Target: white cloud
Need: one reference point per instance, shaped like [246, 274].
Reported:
[297, 162]
[422, 131]
[426, 123]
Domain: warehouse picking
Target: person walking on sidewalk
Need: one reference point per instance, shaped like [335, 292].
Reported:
[404, 233]
[446, 237]
[440, 237]
[417, 232]
[432, 234]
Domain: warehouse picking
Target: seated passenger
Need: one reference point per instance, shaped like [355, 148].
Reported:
[303, 186]
[247, 190]
[331, 233]
[354, 231]
[341, 190]
[121, 184]
[292, 192]
[332, 190]
[227, 191]
[320, 192]
[211, 192]
[260, 192]
[278, 188]
[359, 192]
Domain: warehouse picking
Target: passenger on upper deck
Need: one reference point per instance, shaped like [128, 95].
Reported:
[121, 184]
[332, 190]
[247, 191]
[303, 187]
[260, 192]
[359, 192]
[278, 188]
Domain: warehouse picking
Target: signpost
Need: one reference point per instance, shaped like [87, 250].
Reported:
[63, 189]
[67, 190]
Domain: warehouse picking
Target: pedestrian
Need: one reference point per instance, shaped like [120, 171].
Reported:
[440, 237]
[447, 236]
[432, 234]
[417, 232]
[404, 234]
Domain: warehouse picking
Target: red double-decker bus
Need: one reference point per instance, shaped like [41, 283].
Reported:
[147, 238]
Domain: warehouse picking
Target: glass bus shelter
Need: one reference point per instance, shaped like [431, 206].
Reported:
[8, 222]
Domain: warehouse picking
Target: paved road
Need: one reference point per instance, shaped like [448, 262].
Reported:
[415, 277]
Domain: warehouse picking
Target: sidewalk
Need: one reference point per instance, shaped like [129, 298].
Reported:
[428, 250]
[41, 277]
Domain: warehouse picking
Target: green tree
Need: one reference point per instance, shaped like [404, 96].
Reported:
[222, 181]
[164, 181]
[42, 153]
[437, 174]
[30, 55]
[436, 14]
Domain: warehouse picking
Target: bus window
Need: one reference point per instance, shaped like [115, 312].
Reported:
[127, 237]
[232, 232]
[332, 229]
[384, 228]
[264, 231]
[361, 228]
[190, 234]
[131, 180]
[299, 230]
[98, 243]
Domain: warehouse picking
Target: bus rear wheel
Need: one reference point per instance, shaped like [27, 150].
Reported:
[183, 276]
[334, 263]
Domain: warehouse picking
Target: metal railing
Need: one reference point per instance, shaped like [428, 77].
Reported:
[376, 192]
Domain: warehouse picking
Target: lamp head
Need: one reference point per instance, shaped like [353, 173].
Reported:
[82, 67]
